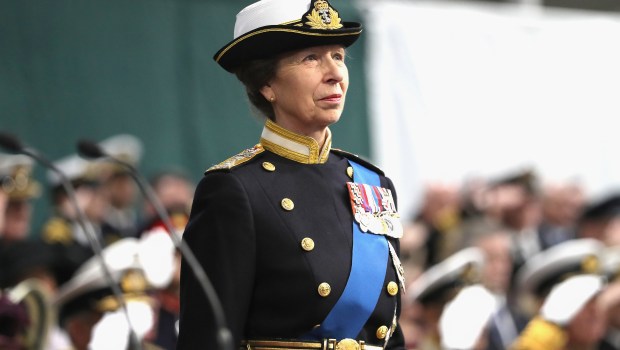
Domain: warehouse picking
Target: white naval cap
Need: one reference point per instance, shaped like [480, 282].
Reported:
[458, 270]
[549, 267]
[268, 12]
[268, 28]
[125, 147]
[75, 168]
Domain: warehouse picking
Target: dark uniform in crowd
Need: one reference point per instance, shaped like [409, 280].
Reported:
[120, 217]
[274, 226]
[64, 225]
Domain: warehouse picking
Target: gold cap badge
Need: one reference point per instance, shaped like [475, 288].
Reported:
[323, 16]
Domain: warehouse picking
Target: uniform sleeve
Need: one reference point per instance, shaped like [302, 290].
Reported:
[220, 232]
[540, 334]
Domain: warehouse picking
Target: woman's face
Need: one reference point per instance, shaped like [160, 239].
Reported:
[309, 89]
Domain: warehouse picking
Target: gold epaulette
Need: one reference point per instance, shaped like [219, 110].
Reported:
[540, 334]
[57, 230]
[238, 159]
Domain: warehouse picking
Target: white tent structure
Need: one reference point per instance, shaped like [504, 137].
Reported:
[460, 89]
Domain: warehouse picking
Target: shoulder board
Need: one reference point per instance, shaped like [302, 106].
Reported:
[358, 159]
[57, 230]
[238, 159]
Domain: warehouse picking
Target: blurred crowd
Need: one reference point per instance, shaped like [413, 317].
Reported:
[489, 261]
[54, 291]
[505, 263]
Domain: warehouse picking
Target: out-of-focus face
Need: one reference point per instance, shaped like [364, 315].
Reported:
[4, 201]
[611, 233]
[498, 262]
[562, 203]
[309, 89]
[588, 326]
[441, 205]
[609, 303]
[175, 192]
[17, 219]
[98, 205]
[122, 191]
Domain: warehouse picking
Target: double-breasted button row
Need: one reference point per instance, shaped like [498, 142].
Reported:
[307, 244]
[286, 203]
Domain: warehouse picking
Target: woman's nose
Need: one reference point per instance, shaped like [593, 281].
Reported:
[333, 71]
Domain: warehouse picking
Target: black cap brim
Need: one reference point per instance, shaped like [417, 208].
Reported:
[270, 41]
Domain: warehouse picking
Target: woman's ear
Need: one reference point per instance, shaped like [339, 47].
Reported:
[268, 93]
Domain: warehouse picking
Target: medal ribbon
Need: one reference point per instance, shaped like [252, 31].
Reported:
[365, 283]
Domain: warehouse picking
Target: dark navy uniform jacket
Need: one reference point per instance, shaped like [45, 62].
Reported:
[251, 246]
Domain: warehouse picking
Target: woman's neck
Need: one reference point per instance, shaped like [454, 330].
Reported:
[318, 134]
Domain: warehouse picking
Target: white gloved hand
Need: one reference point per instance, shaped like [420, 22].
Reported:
[156, 253]
[111, 332]
[142, 317]
[567, 298]
[464, 319]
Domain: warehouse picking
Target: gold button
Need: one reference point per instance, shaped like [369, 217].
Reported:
[307, 244]
[382, 332]
[350, 171]
[348, 344]
[269, 166]
[324, 289]
[288, 204]
[392, 288]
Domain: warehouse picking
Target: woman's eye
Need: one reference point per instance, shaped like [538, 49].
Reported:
[310, 58]
[339, 57]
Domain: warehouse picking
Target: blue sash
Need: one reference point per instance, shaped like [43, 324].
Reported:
[360, 295]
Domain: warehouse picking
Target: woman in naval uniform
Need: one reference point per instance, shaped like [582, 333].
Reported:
[299, 239]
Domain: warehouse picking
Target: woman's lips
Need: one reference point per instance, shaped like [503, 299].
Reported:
[332, 98]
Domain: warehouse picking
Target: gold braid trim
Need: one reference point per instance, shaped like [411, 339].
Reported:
[238, 159]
